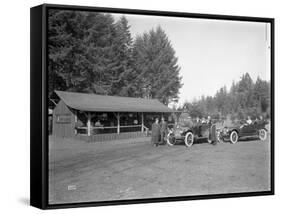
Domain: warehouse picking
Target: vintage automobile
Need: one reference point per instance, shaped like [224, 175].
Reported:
[189, 132]
[233, 134]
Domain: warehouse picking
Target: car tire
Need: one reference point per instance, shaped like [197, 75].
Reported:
[169, 142]
[189, 139]
[233, 137]
[262, 134]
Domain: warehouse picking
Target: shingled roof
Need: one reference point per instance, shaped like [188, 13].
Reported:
[104, 103]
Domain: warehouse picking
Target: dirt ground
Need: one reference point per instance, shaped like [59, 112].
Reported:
[131, 169]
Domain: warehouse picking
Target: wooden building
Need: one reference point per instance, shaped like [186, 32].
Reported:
[95, 117]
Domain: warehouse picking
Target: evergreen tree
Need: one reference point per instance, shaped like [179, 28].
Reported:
[82, 55]
[123, 47]
[245, 98]
[156, 71]
[261, 94]
[89, 52]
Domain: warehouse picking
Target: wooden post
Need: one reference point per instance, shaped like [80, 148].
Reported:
[142, 122]
[118, 123]
[75, 121]
[89, 124]
[75, 116]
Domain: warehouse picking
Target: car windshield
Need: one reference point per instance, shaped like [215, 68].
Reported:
[185, 121]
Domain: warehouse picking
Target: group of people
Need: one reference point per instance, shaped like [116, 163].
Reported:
[159, 132]
[249, 121]
[203, 120]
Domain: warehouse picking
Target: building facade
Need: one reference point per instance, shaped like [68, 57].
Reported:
[95, 117]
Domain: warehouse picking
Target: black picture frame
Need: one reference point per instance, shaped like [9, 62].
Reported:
[39, 110]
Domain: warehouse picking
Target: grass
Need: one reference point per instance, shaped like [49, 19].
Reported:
[131, 169]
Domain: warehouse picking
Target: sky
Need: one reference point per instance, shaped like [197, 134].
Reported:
[211, 53]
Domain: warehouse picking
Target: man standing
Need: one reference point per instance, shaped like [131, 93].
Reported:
[212, 131]
[155, 132]
[163, 129]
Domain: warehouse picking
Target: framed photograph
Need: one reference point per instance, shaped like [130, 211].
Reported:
[134, 106]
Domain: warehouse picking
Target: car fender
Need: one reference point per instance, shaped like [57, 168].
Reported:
[231, 130]
[187, 130]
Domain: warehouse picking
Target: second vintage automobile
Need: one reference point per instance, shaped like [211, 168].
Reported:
[188, 132]
[234, 133]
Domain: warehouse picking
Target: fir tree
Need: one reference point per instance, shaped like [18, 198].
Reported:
[156, 69]
[82, 56]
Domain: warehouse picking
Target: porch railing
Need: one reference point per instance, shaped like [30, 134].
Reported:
[83, 130]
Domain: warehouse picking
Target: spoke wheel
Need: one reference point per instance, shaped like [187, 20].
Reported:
[233, 137]
[189, 138]
[171, 140]
[262, 134]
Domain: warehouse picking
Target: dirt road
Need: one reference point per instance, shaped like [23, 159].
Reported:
[81, 172]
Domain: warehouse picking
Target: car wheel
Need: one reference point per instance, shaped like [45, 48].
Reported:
[171, 139]
[262, 134]
[233, 137]
[189, 138]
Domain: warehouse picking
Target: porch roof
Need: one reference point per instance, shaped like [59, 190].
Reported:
[104, 103]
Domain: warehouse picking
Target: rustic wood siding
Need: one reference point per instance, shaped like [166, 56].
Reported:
[63, 129]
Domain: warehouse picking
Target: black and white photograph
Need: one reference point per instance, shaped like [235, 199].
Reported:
[149, 106]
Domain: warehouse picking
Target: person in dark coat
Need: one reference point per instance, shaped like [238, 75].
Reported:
[163, 129]
[212, 132]
[155, 132]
